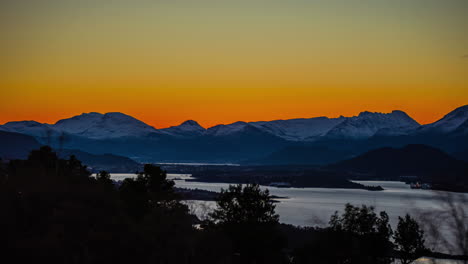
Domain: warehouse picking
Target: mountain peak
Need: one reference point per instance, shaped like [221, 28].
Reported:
[92, 114]
[394, 112]
[110, 125]
[367, 124]
[25, 123]
[116, 115]
[191, 123]
[187, 128]
[366, 113]
[399, 112]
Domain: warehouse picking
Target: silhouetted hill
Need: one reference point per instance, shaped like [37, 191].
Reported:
[16, 145]
[428, 163]
[107, 162]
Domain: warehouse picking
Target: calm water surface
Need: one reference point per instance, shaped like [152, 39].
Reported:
[314, 206]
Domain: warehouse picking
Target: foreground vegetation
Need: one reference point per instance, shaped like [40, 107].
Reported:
[54, 211]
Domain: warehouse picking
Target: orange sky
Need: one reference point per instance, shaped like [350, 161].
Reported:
[222, 61]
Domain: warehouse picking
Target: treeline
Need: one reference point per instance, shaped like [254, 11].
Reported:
[54, 211]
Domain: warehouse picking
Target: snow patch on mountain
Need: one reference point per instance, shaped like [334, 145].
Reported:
[301, 129]
[99, 126]
[449, 122]
[187, 128]
[225, 130]
[367, 124]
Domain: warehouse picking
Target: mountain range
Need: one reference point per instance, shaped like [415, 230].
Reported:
[318, 140]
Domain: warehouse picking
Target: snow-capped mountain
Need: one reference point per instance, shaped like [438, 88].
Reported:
[367, 124]
[31, 128]
[188, 128]
[88, 125]
[448, 123]
[100, 126]
[300, 129]
[226, 130]
[102, 133]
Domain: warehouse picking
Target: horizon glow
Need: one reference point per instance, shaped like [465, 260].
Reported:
[217, 62]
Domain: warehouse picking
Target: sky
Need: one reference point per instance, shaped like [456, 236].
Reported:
[217, 62]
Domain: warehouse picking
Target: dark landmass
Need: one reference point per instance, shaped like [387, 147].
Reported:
[310, 154]
[426, 163]
[16, 145]
[108, 162]
[326, 151]
[291, 176]
[196, 194]
[204, 195]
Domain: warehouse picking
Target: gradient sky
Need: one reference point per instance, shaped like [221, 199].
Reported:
[166, 61]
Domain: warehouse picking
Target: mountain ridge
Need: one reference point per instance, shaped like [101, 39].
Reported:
[323, 139]
[115, 124]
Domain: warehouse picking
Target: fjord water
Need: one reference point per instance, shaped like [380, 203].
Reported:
[314, 206]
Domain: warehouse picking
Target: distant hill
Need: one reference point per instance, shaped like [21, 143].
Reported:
[428, 163]
[107, 162]
[16, 145]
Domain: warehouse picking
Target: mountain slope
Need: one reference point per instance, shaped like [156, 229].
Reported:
[449, 123]
[302, 155]
[188, 128]
[227, 130]
[299, 129]
[367, 124]
[16, 146]
[31, 128]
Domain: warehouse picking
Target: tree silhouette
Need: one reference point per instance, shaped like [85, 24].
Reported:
[103, 176]
[158, 187]
[358, 236]
[246, 214]
[243, 205]
[54, 212]
[361, 221]
[409, 239]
